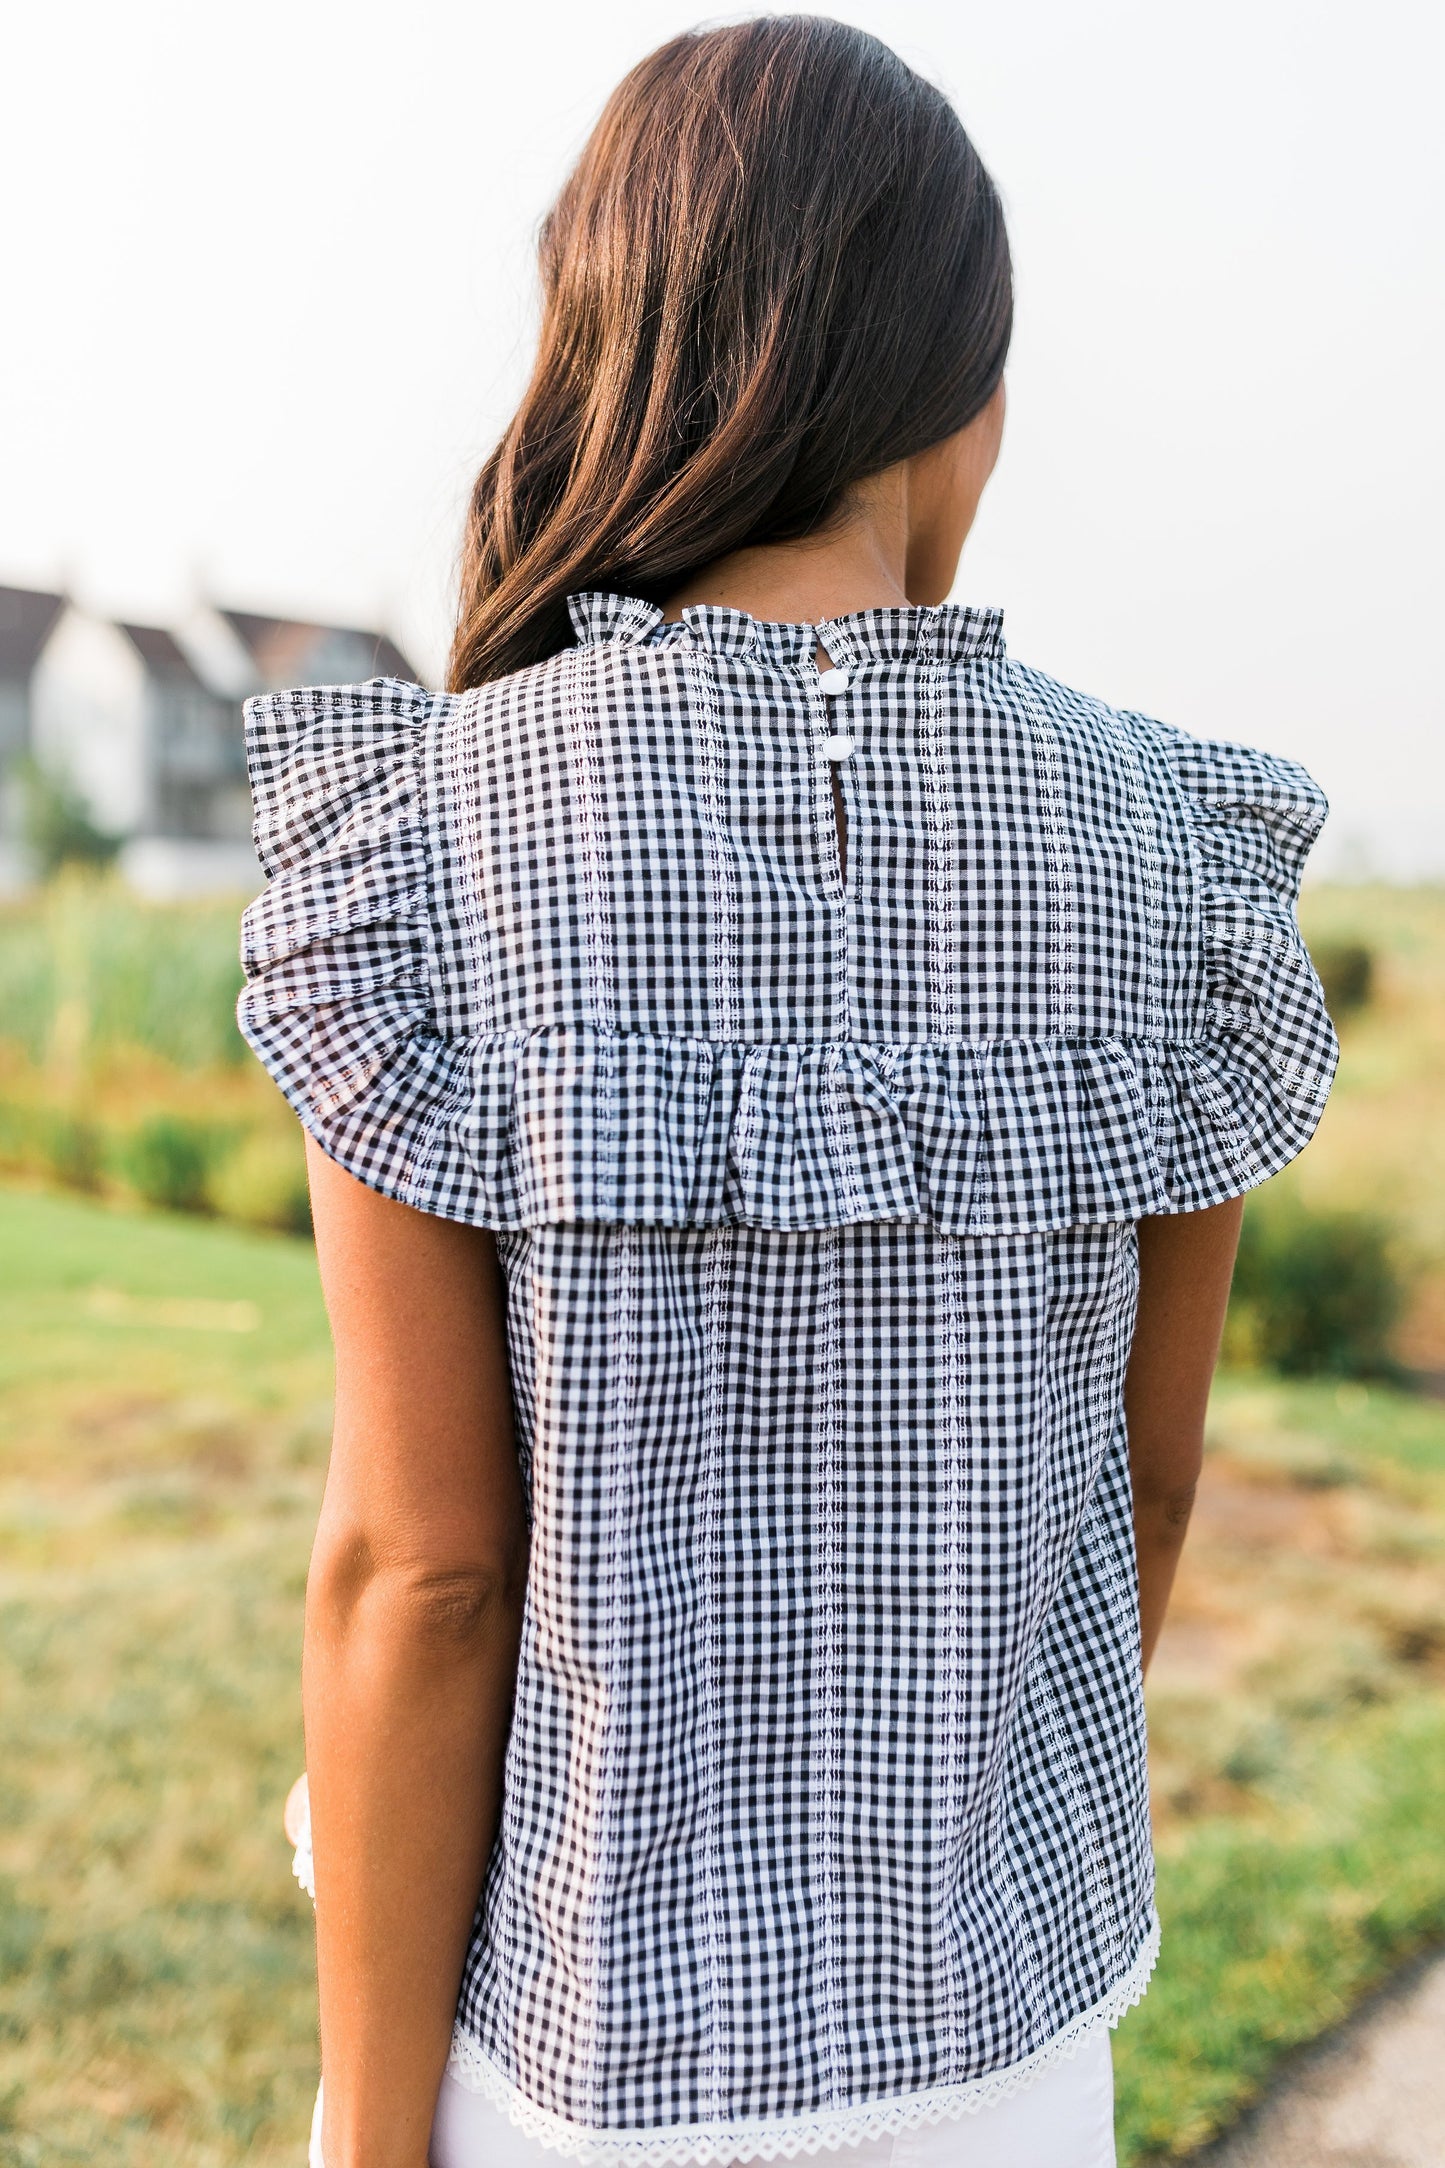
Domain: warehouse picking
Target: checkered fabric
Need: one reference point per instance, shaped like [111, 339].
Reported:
[825, 1808]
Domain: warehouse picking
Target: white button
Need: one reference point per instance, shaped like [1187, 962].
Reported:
[833, 681]
[837, 748]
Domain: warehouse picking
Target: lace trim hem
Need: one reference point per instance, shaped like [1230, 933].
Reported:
[823, 2130]
[302, 1864]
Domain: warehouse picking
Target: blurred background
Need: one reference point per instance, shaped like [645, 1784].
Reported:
[272, 299]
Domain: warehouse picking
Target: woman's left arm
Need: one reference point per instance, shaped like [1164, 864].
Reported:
[413, 1609]
[1185, 1265]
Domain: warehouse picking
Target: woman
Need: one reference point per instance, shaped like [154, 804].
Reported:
[780, 1077]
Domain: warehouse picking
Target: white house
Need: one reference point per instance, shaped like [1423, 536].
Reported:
[145, 723]
[156, 753]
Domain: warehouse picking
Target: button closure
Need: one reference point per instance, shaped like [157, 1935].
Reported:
[837, 748]
[834, 681]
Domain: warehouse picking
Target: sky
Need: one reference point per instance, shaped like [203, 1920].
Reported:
[271, 275]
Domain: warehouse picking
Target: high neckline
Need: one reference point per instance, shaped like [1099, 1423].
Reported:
[947, 633]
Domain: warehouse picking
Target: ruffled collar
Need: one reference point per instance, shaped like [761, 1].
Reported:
[945, 634]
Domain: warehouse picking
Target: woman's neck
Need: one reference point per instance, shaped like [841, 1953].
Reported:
[858, 564]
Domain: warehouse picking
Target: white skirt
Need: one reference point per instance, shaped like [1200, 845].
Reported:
[1064, 2118]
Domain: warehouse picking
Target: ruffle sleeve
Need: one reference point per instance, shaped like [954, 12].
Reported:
[1253, 1066]
[337, 949]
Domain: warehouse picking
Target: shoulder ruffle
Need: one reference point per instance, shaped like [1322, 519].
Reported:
[336, 948]
[573, 1123]
[1268, 1048]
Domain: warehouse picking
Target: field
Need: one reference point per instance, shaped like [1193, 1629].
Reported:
[157, 1489]
[164, 1392]
[1381, 1144]
[1297, 1724]
[122, 1072]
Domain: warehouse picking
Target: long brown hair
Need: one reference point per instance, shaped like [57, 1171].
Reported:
[778, 267]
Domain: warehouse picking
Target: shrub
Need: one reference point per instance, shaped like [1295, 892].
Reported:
[71, 1150]
[169, 1159]
[53, 1143]
[1347, 974]
[56, 823]
[1321, 1291]
[262, 1183]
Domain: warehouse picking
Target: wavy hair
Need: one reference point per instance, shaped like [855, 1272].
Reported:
[778, 267]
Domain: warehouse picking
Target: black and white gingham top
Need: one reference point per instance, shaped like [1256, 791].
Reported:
[825, 1806]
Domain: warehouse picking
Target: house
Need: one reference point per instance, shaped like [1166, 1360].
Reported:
[28, 616]
[153, 748]
[144, 721]
[283, 651]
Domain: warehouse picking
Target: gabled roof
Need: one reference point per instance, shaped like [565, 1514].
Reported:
[26, 617]
[162, 655]
[281, 647]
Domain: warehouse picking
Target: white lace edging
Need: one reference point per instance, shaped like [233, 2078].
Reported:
[303, 1866]
[824, 2129]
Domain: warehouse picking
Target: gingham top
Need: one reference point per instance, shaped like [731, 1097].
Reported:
[825, 1807]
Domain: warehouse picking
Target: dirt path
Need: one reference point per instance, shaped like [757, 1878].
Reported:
[1371, 2096]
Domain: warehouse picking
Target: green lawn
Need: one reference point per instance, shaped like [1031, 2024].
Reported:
[1297, 1725]
[164, 1400]
[163, 1408]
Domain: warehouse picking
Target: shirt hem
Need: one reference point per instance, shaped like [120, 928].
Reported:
[785, 2137]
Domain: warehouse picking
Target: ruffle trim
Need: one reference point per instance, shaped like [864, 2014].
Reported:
[571, 1124]
[946, 633]
[785, 2138]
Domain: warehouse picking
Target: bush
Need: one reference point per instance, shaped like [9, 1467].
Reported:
[169, 1160]
[48, 1141]
[1322, 1291]
[72, 1150]
[57, 825]
[263, 1184]
[1347, 974]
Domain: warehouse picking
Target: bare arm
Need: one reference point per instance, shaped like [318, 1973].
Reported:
[1185, 1265]
[412, 1613]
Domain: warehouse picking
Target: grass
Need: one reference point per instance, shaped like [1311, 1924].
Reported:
[164, 1390]
[1297, 1726]
[121, 1068]
[87, 969]
[1381, 1144]
[1276, 1923]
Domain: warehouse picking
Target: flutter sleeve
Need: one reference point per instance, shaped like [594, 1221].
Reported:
[1254, 1068]
[338, 1002]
